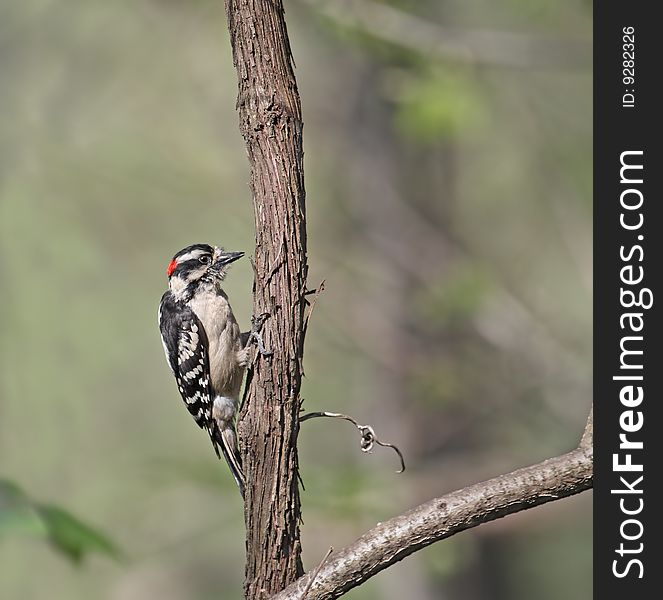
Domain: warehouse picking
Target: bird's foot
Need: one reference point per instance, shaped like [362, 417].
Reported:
[254, 335]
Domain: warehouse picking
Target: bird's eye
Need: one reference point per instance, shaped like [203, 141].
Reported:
[205, 260]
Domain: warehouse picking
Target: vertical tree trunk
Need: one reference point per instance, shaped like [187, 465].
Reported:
[271, 123]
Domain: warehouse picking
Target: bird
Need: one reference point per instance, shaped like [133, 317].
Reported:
[205, 349]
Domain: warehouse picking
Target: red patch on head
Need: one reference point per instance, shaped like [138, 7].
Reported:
[171, 267]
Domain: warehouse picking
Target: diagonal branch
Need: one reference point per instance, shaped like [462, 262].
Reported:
[447, 515]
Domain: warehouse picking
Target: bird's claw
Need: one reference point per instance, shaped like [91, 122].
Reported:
[256, 326]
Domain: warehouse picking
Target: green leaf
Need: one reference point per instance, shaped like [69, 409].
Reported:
[438, 103]
[17, 514]
[73, 537]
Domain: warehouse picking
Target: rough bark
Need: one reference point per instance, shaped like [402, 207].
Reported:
[442, 517]
[271, 124]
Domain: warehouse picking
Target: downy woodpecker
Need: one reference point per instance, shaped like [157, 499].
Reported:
[204, 347]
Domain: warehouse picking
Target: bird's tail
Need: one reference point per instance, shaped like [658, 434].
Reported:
[224, 437]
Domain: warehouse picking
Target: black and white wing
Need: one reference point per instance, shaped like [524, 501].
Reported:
[186, 347]
[187, 351]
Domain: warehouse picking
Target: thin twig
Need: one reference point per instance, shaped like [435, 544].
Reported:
[255, 270]
[588, 435]
[315, 573]
[368, 437]
[316, 293]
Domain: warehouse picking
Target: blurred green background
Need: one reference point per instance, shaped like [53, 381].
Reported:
[448, 175]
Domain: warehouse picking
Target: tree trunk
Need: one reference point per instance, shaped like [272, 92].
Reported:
[271, 124]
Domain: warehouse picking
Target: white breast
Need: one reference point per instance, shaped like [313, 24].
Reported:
[214, 312]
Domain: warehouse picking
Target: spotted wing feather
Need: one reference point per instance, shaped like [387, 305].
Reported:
[186, 347]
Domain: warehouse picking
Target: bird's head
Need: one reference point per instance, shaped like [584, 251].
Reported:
[196, 264]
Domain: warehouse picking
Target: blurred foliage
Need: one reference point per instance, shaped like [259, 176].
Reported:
[449, 208]
[70, 536]
[438, 104]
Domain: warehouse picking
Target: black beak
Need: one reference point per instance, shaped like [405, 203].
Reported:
[228, 257]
